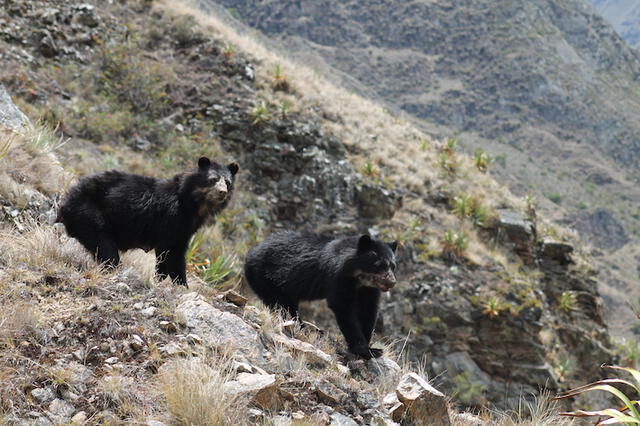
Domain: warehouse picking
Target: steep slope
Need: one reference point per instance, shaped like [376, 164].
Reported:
[494, 301]
[547, 88]
[624, 15]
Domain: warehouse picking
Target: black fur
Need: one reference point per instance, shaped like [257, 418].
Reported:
[350, 273]
[114, 211]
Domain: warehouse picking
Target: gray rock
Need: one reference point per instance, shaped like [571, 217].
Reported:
[42, 395]
[423, 402]
[60, 411]
[376, 202]
[338, 419]
[383, 368]
[217, 328]
[10, 116]
[261, 388]
[79, 418]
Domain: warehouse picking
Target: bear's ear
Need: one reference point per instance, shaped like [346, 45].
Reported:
[393, 246]
[204, 163]
[364, 243]
[233, 168]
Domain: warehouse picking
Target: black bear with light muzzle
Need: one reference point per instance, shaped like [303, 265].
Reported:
[113, 211]
[351, 273]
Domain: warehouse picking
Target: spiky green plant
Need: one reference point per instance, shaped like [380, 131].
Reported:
[481, 160]
[284, 108]
[370, 169]
[228, 50]
[567, 302]
[462, 206]
[260, 113]
[448, 162]
[280, 81]
[628, 414]
[454, 245]
[493, 306]
[219, 271]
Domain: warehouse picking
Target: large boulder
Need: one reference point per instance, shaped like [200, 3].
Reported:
[219, 329]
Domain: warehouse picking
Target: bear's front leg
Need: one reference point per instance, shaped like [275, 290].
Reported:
[367, 308]
[172, 263]
[347, 319]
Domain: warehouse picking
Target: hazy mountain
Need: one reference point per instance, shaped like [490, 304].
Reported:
[548, 88]
[624, 15]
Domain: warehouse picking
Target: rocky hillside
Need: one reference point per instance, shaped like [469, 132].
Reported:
[624, 15]
[494, 303]
[546, 87]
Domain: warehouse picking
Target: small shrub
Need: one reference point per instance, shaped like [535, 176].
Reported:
[184, 31]
[555, 198]
[424, 144]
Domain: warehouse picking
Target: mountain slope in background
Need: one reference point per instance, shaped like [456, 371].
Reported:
[546, 87]
[624, 15]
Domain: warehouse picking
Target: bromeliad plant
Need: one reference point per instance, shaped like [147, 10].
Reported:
[628, 414]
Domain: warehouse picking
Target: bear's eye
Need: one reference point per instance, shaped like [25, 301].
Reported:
[392, 266]
[227, 182]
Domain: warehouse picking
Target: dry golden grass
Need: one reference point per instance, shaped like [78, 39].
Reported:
[194, 393]
[29, 165]
[18, 321]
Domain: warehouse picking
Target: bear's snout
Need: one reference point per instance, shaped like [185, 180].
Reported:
[220, 190]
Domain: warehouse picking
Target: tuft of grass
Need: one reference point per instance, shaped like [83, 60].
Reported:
[4, 148]
[18, 321]
[194, 393]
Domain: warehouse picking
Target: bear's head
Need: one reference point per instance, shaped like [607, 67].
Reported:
[211, 185]
[375, 263]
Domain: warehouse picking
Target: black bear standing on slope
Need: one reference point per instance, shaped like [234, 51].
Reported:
[350, 273]
[114, 211]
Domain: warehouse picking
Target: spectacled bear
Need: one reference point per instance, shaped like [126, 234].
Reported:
[113, 211]
[350, 273]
